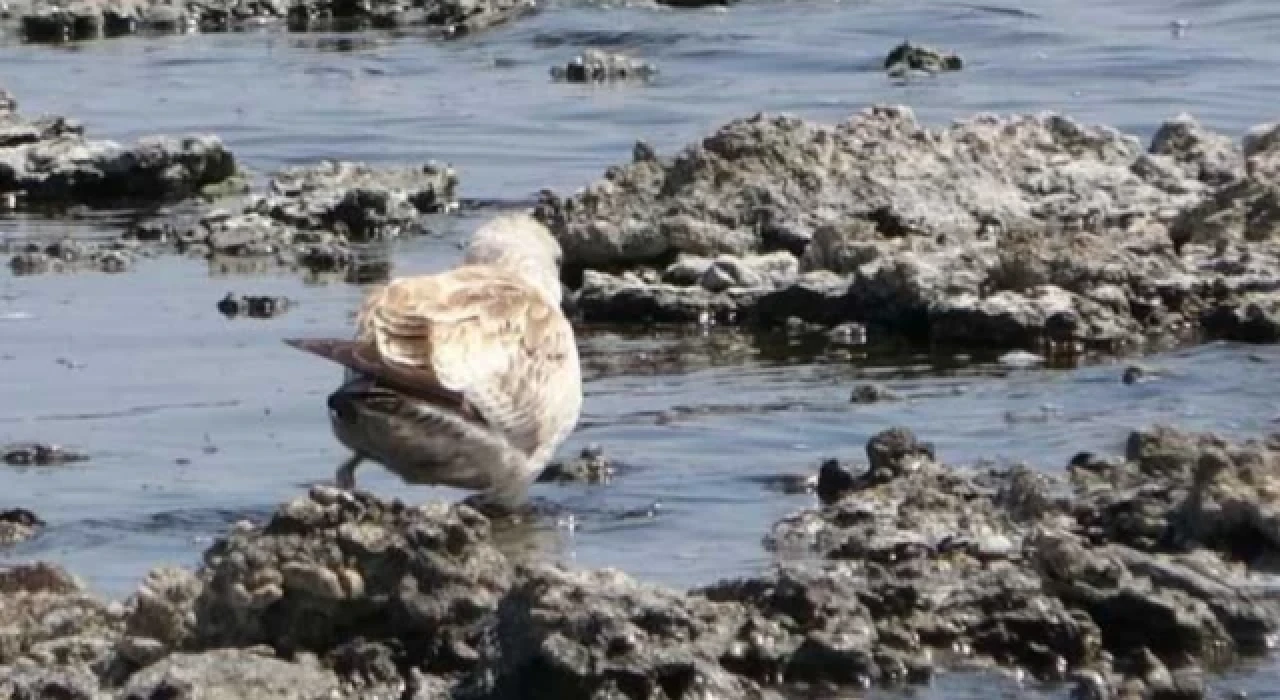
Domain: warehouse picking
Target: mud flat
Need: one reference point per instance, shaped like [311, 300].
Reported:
[995, 230]
[1132, 577]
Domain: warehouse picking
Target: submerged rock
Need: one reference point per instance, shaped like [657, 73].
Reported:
[591, 466]
[71, 255]
[908, 57]
[38, 454]
[873, 393]
[253, 306]
[596, 66]
[1017, 231]
[49, 21]
[48, 160]
[18, 525]
[309, 217]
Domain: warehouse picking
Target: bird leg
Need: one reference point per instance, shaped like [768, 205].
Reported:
[346, 475]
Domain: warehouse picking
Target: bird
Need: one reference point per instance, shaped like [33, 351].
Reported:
[467, 378]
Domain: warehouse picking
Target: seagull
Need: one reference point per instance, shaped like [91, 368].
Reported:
[467, 378]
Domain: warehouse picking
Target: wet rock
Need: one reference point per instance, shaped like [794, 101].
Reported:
[253, 306]
[311, 217]
[228, 674]
[38, 454]
[596, 66]
[834, 481]
[361, 202]
[914, 57]
[1032, 231]
[18, 525]
[459, 18]
[595, 634]
[1134, 561]
[1251, 318]
[591, 466]
[70, 255]
[47, 21]
[1134, 374]
[896, 451]
[50, 622]
[604, 297]
[67, 168]
[873, 393]
[333, 566]
[448, 18]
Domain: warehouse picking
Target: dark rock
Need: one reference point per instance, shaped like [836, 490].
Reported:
[591, 466]
[72, 256]
[309, 217]
[18, 525]
[1134, 562]
[834, 481]
[253, 306]
[1134, 374]
[596, 66]
[47, 21]
[37, 454]
[896, 451]
[598, 634]
[334, 565]
[48, 160]
[873, 393]
[908, 56]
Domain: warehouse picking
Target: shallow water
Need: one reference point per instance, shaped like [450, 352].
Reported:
[194, 421]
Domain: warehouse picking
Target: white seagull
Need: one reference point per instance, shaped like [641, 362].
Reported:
[467, 378]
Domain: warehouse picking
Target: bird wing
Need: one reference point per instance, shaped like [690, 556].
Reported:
[478, 331]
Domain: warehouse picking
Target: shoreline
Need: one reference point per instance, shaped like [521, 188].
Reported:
[1132, 576]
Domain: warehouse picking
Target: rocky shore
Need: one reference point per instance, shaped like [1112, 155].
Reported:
[48, 161]
[200, 202]
[1131, 578]
[1024, 231]
[52, 21]
[1002, 230]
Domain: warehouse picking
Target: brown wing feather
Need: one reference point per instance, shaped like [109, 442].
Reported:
[495, 340]
[363, 358]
